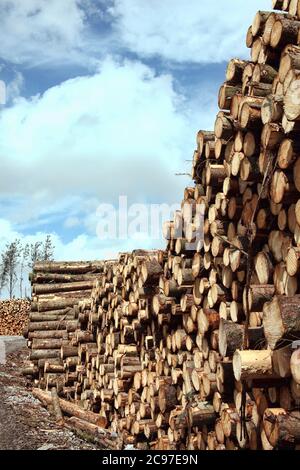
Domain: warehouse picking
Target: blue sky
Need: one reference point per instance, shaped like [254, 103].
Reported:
[104, 98]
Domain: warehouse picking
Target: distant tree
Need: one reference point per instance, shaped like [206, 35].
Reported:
[35, 254]
[3, 271]
[9, 266]
[24, 262]
[48, 249]
[16, 259]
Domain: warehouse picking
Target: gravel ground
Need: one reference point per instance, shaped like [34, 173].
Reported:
[24, 423]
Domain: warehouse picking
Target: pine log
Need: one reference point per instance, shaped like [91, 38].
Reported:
[253, 365]
[281, 318]
[202, 414]
[68, 267]
[231, 337]
[282, 428]
[101, 436]
[285, 31]
[39, 289]
[69, 408]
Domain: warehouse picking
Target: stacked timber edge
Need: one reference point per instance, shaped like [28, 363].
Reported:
[58, 292]
[197, 349]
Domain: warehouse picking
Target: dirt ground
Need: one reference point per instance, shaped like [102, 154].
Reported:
[24, 423]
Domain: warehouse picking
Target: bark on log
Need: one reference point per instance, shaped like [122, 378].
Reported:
[231, 337]
[39, 289]
[69, 408]
[102, 437]
[202, 414]
[56, 407]
[281, 318]
[253, 365]
[282, 428]
[68, 267]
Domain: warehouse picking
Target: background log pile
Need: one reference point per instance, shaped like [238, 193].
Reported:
[13, 317]
[196, 347]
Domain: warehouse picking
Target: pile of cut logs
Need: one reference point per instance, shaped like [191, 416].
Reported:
[13, 316]
[197, 347]
[57, 291]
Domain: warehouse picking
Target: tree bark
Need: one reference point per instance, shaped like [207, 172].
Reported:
[282, 428]
[68, 267]
[281, 318]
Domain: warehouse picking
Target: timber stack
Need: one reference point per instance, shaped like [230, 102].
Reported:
[58, 291]
[197, 347]
[13, 316]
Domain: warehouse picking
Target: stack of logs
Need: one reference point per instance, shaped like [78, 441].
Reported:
[57, 291]
[195, 347]
[13, 316]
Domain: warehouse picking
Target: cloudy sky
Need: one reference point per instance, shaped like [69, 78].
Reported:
[104, 98]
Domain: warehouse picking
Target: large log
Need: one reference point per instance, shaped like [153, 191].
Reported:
[68, 267]
[45, 317]
[69, 408]
[253, 365]
[202, 414]
[46, 343]
[37, 354]
[285, 31]
[100, 436]
[231, 337]
[49, 334]
[46, 278]
[39, 289]
[43, 305]
[68, 325]
[281, 318]
[151, 269]
[282, 428]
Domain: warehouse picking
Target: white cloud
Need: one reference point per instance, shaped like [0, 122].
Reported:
[192, 31]
[47, 32]
[121, 131]
[39, 31]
